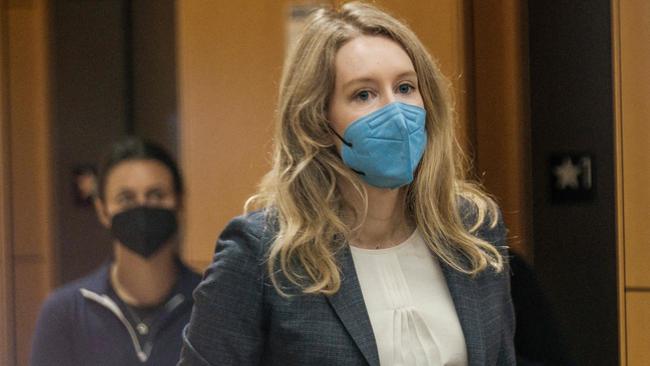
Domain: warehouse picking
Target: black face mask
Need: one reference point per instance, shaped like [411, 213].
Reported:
[144, 229]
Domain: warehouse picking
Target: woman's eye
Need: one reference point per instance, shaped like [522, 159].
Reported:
[363, 95]
[405, 88]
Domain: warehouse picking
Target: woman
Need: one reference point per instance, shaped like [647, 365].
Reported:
[370, 248]
[130, 311]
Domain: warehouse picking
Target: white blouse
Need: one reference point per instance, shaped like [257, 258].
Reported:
[409, 305]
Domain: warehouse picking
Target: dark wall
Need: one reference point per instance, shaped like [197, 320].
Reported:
[113, 72]
[88, 92]
[154, 70]
[572, 112]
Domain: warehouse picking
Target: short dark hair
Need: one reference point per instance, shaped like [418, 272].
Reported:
[136, 148]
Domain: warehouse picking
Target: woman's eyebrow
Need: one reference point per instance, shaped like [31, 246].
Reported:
[360, 80]
[409, 73]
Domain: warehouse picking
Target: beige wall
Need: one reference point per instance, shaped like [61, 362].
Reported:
[632, 76]
[229, 60]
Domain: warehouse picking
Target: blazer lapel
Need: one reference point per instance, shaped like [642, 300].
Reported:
[351, 309]
[464, 292]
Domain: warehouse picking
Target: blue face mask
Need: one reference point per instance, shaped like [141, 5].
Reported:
[385, 146]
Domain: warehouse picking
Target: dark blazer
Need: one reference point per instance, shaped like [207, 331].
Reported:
[239, 318]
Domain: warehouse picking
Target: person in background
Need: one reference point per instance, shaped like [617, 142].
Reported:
[538, 339]
[369, 246]
[132, 309]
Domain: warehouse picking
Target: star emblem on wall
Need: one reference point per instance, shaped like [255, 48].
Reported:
[567, 174]
[571, 177]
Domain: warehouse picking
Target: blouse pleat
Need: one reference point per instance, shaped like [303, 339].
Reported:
[409, 306]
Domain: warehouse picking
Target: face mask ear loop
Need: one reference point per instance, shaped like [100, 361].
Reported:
[348, 144]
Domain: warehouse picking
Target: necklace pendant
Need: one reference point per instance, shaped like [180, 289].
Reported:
[142, 328]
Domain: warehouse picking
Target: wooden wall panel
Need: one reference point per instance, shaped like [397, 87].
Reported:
[635, 84]
[638, 324]
[31, 175]
[7, 344]
[502, 123]
[32, 285]
[30, 131]
[632, 74]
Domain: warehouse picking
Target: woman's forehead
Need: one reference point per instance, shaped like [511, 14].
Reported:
[369, 56]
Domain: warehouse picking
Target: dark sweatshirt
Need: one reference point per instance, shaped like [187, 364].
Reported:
[86, 323]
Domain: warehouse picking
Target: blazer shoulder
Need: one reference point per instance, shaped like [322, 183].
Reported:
[245, 241]
[258, 224]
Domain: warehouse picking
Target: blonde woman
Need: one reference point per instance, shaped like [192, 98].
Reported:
[368, 246]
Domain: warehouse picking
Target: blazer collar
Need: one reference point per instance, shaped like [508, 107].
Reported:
[351, 309]
[464, 293]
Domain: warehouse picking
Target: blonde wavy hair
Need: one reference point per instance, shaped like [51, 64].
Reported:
[302, 190]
